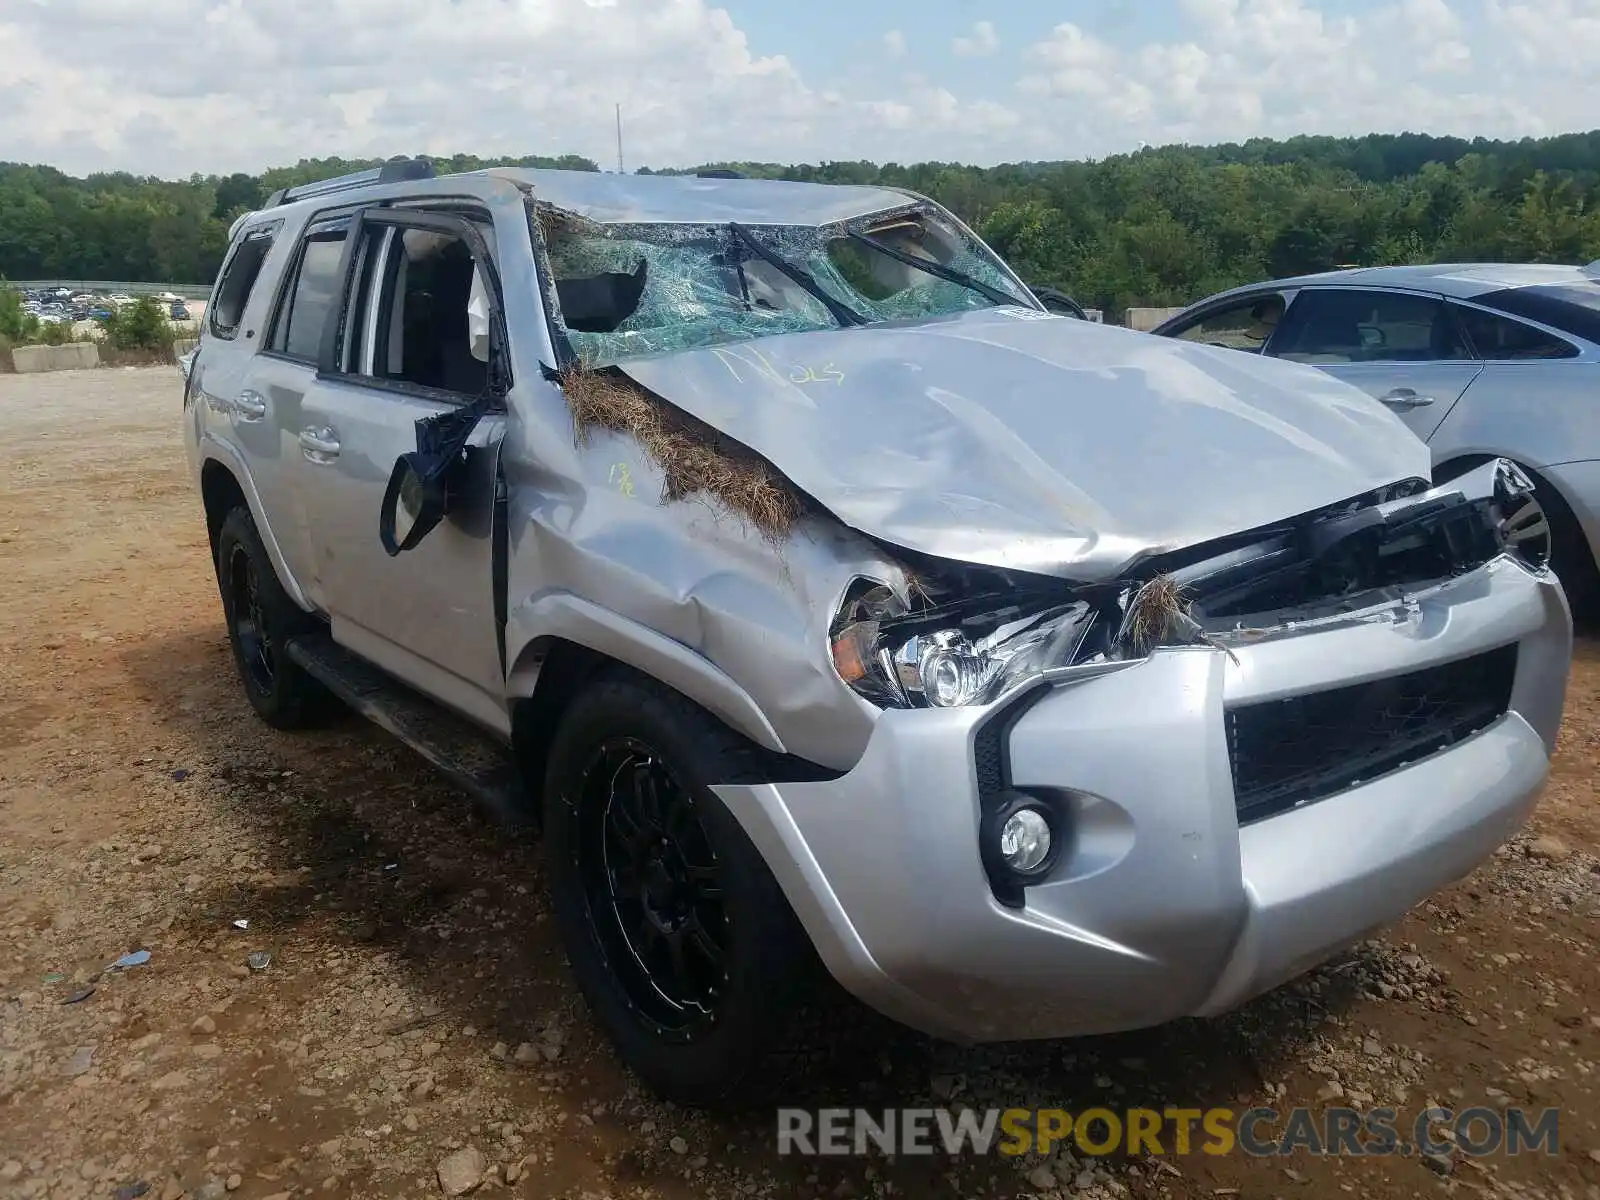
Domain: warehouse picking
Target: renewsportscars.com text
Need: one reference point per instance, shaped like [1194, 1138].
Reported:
[1259, 1132]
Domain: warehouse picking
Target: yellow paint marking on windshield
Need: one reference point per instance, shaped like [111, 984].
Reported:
[622, 476]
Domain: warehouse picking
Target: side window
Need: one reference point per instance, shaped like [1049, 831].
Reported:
[1245, 325]
[311, 295]
[1501, 338]
[1346, 325]
[238, 279]
[421, 312]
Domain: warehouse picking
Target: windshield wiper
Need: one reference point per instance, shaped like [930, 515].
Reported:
[842, 313]
[940, 271]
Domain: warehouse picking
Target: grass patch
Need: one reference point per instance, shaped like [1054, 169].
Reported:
[694, 459]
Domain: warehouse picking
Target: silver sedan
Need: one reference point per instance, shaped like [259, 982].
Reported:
[1480, 360]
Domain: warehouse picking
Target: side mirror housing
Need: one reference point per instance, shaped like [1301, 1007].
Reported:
[1057, 301]
[413, 503]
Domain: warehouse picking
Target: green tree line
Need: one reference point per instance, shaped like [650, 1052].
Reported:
[1162, 226]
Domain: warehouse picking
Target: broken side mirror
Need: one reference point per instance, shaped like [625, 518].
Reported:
[1057, 301]
[413, 503]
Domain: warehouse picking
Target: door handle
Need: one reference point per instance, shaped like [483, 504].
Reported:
[1403, 399]
[250, 406]
[319, 444]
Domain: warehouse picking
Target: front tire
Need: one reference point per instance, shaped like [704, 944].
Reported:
[261, 619]
[1570, 556]
[682, 942]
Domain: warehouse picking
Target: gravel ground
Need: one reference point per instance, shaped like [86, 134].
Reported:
[416, 1024]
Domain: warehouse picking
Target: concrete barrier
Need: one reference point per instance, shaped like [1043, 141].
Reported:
[71, 357]
[1146, 319]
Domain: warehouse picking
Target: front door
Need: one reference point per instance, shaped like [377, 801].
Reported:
[1401, 348]
[403, 354]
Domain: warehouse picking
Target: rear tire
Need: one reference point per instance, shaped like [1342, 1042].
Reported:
[681, 940]
[261, 619]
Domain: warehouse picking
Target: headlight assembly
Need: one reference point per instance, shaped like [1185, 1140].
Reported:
[951, 656]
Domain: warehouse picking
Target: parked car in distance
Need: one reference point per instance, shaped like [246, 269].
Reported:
[178, 311]
[1479, 360]
[823, 597]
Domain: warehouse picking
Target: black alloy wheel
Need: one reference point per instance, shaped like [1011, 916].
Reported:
[257, 655]
[261, 620]
[653, 888]
[682, 941]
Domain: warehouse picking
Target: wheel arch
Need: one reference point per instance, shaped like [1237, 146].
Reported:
[551, 668]
[1580, 572]
[225, 483]
[221, 493]
[537, 627]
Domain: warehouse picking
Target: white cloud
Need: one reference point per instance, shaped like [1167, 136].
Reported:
[1071, 63]
[983, 40]
[174, 86]
[1244, 68]
[1431, 18]
[1561, 35]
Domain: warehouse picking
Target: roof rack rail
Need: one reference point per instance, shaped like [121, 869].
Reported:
[719, 173]
[397, 170]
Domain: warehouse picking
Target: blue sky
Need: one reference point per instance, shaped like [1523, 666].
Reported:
[174, 86]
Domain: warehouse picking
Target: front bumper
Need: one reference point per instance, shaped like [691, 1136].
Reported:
[1160, 906]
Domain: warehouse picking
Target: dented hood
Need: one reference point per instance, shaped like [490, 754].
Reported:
[1019, 440]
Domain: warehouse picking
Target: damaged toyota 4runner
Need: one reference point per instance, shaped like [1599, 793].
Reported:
[822, 596]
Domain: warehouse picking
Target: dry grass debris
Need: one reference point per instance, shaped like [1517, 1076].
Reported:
[1158, 614]
[554, 222]
[693, 458]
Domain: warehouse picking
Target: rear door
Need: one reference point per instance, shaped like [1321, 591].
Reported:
[1537, 400]
[1402, 348]
[399, 352]
[232, 382]
[283, 374]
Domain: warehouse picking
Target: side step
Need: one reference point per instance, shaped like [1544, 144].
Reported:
[476, 762]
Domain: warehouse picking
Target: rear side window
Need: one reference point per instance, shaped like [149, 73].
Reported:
[1348, 325]
[1501, 338]
[1570, 307]
[238, 280]
[312, 294]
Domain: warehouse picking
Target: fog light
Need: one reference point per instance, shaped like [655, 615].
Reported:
[1025, 840]
[1021, 838]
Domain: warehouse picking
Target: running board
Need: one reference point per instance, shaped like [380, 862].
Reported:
[470, 758]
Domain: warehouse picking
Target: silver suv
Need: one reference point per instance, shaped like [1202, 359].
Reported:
[821, 595]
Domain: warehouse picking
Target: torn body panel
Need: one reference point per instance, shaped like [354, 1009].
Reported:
[1366, 556]
[749, 612]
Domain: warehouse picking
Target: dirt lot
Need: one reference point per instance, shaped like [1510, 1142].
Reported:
[416, 1002]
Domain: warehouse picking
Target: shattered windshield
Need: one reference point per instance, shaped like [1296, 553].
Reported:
[626, 290]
